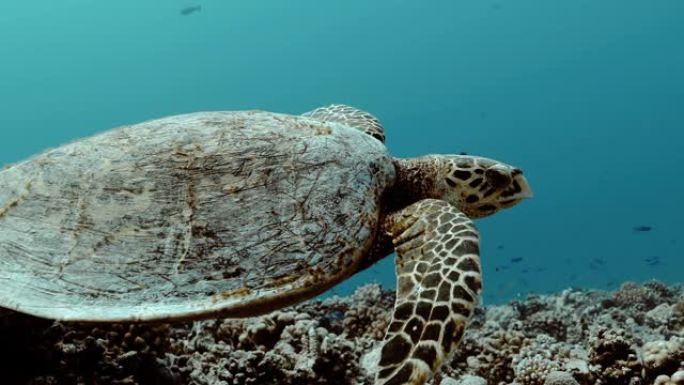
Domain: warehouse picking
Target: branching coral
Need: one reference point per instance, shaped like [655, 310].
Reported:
[614, 357]
[537, 359]
[488, 356]
[642, 297]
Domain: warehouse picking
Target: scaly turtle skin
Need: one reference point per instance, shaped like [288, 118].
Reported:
[232, 214]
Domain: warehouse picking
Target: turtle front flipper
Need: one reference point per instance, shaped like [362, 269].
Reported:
[350, 116]
[438, 286]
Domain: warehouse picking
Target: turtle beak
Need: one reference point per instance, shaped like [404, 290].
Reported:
[525, 189]
[517, 190]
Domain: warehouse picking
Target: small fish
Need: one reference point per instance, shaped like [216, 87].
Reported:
[190, 10]
[597, 263]
[500, 247]
[516, 259]
[652, 261]
[641, 229]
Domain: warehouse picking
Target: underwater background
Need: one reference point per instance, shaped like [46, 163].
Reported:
[586, 96]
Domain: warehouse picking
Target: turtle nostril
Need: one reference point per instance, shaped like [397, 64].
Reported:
[516, 171]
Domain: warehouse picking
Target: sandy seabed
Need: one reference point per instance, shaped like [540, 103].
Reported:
[634, 335]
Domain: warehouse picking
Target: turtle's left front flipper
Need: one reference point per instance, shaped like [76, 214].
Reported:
[351, 116]
[438, 286]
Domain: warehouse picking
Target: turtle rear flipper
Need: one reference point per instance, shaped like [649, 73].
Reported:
[438, 285]
[350, 116]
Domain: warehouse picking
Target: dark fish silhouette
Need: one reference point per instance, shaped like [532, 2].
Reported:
[653, 261]
[500, 247]
[516, 259]
[597, 263]
[641, 229]
[190, 10]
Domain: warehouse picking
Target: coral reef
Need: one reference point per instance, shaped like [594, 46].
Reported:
[634, 335]
[614, 357]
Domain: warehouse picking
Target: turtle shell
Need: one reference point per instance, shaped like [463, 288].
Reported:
[191, 216]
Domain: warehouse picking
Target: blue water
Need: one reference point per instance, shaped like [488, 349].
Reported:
[586, 96]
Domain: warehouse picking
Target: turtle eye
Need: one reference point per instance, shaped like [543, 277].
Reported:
[497, 178]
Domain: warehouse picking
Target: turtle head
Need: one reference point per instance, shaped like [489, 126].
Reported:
[479, 186]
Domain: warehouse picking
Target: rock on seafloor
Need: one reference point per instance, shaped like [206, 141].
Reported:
[632, 336]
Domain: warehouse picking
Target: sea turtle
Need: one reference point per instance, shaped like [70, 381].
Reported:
[233, 214]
